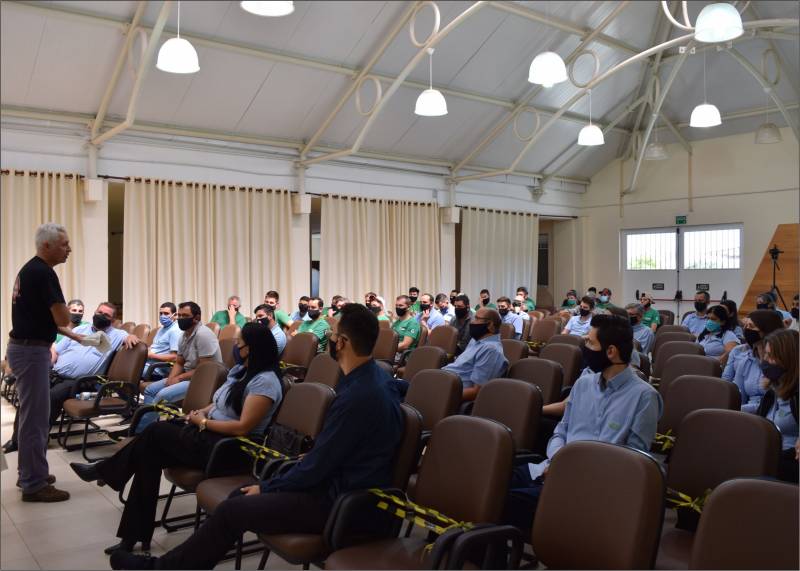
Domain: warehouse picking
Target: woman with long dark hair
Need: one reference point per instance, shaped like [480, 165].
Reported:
[717, 338]
[733, 318]
[243, 406]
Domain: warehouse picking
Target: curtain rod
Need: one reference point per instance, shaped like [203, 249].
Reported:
[209, 184]
[42, 173]
[387, 200]
[492, 210]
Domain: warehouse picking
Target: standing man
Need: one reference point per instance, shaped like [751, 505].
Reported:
[38, 313]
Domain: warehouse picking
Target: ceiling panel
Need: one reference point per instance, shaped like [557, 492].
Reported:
[20, 38]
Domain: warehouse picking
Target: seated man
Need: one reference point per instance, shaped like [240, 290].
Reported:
[463, 317]
[413, 295]
[580, 324]
[445, 308]
[483, 359]
[335, 307]
[75, 307]
[302, 310]
[641, 333]
[265, 315]
[652, 318]
[164, 348]
[530, 305]
[428, 315]
[378, 306]
[485, 301]
[317, 325]
[603, 303]
[198, 344]
[354, 451]
[696, 321]
[609, 403]
[406, 327]
[508, 316]
[272, 298]
[231, 314]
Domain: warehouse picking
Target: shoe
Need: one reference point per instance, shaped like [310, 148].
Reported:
[48, 494]
[125, 545]
[86, 472]
[51, 479]
[121, 559]
[10, 446]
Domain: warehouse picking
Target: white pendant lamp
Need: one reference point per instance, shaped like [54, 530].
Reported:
[590, 135]
[272, 9]
[177, 55]
[431, 102]
[720, 22]
[768, 133]
[655, 151]
[706, 114]
[547, 69]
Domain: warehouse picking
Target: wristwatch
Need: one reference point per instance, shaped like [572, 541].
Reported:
[203, 425]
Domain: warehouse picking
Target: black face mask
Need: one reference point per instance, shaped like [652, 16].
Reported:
[332, 350]
[751, 336]
[485, 301]
[264, 321]
[772, 372]
[584, 312]
[376, 309]
[75, 318]
[478, 330]
[413, 298]
[424, 306]
[634, 320]
[400, 311]
[700, 306]
[461, 312]
[313, 313]
[101, 321]
[452, 301]
[303, 307]
[795, 312]
[502, 312]
[762, 306]
[597, 361]
[185, 323]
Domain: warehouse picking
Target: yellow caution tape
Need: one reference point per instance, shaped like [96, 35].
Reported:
[259, 451]
[285, 365]
[164, 407]
[666, 440]
[686, 501]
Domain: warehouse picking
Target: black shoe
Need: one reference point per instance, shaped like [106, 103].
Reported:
[125, 545]
[86, 472]
[121, 559]
[10, 446]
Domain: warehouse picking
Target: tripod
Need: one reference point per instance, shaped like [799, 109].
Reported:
[774, 252]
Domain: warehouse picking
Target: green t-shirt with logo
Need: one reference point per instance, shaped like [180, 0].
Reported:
[530, 305]
[221, 318]
[318, 327]
[651, 316]
[489, 306]
[407, 328]
[283, 318]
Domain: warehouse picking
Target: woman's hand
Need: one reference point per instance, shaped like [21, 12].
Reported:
[251, 490]
[197, 417]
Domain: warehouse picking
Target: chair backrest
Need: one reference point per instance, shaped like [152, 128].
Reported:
[576, 340]
[570, 357]
[300, 349]
[667, 317]
[325, 370]
[514, 350]
[547, 375]
[386, 367]
[515, 404]
[423, 336]
[445, 337]
[672, 348]
[142, 331]
[544, 299]
[127, 364]
[230, 331]
[544, 329]
[685, 313]
[436, 394]
[507, 331]
[748, 524]
[679, 365]
[672, 329]
[384, 324]
[304, 408]
[526, 328]
[693, 392]
[128, 327]
[214, 327]
[621, 494]
[670, 336]
[151, 336]
[406, 457]
[717, 445]
[226, 349]
[645, 366]
[295, 325]
[466, 469]
[538, 314]
[206, 379]
[386, 345]
[424, 358]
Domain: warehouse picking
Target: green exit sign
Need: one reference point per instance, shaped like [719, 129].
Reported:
[680, 220]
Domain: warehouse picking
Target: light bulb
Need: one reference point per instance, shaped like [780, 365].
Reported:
[272, 9]
[177, 55]
[705, 115]
[547, 69]
[719, 22]
[431, 103]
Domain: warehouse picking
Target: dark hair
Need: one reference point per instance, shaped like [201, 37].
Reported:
[108, 304]
[319, 301]
[335, 299]
[440, 297]
[462, 297]
[273, 294]
[796, 296]
[429, 296]
[414, 289]
[504, 299]
[455, 290]
[485, 291]
[721, 313]
[305, 298]
[783, 349]
[766, 320]
[607, 290]
[617, 331]
[168, 304]
[360, 326]
[79, 302]
[522, 289]
[588, 301]
[733, 313]
[616, 310]
[494, 318]
[263, 356]
[705, 294]
[592, 288]
[193, 307]
[404, 299]
[266, 309]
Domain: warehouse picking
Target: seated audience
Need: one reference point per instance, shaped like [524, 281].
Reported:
[265, 315]
[795, 312]
[483, 358]
[518, 307]
[378, 307]
[243, 406]
[333, 310]
[413, 295]
[744, 365]
[508, 316]
[485, 301]
[164, 348]
[463, 317]
[644, 335]
[530, 304]
[580, 324]
[406, 327]
[302, 310]
[717, 339]
[231, 314]
[272, 298]
[769, 300]
[652, 318]
[429, 316]
[354, 451]
[592, 292]
[445, 308]
[317, 325]
[368, 297]
[609, 402]
[780, 402]
[75, 307]
[603, 303]
[570, 303]
[696, 322]
[453, 294]
[733, 318]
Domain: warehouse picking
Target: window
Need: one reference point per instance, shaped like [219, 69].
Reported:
[654, 251]
[712, 249]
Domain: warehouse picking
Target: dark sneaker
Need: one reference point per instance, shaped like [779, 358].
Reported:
[121, 559]
[51, 479]
[47, 494]
[10, 446]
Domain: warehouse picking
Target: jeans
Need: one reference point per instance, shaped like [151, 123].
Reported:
[159, 391]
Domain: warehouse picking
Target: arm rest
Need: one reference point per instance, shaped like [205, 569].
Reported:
[356, 519]
[491, 544]
[148, 376]
[226, 458]
[526, 457]
[565, 392]
[296, 371]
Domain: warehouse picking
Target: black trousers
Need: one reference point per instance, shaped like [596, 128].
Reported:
[160, 445]
[272, 512]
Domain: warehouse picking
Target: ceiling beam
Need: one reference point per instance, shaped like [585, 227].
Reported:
[790, 77]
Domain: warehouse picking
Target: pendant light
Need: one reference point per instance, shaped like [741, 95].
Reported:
[547, 68]
[590, 135]
[768, 133]
[272, 9]
[655, 151]
[431, 102]
[177, 55]
[706, 114]
[720, 22]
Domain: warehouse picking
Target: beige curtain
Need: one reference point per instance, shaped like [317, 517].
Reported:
[203, 242]
[499, 252]
[27, 200]
[378, 245]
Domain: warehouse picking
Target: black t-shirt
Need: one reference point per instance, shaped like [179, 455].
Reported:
[35, 291]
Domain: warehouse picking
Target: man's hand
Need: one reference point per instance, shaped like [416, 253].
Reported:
[131, 341]
[173, 380]
[426, 314]
[251, 490]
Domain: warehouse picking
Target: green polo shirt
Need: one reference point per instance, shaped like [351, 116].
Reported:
[283, 318]
[530, 305]
[318, 327]
[221, 318]
[415, 307]
[409, 327]
[490, 306]
[651, 316]
[383, 318]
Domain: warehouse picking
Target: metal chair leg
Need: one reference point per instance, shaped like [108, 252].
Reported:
[263, 562]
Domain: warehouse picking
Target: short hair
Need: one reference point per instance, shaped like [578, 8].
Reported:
[48, 232]
[616, 331]
[273, 294]
[605, 289]
[404, 299]
[360, 326]
[305, 298]
[638, 307]
[588, 301]
[75, 302]
[616, 310]
[522, 288]
[266, 309]
[494, 317]
[318, 300]
[193, 307]
[463, 298]
[414, 289]
[440, 297]
[335, 299]
[108, 304]
[236, 297]
[168, 304]
[704, 293]
[456, 291]
[592, 288]
[429, 295]
[504, 299]
[485, 291]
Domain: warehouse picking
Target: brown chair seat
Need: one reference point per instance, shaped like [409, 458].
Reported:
[385, 554]
[214, 491]
[297, 548]
[186, 478]
[85, 408]
[675, 548]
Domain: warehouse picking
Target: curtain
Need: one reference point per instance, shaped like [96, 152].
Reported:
[203, 243]
[378, 245]
[499, 252]
[27, 200]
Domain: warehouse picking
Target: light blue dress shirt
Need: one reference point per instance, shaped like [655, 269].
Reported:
[516, 321]
[744, 370]
[166, 340]
[297, 317]
[625, 410]
[781, 416]
[280, 337]
[645, 336]
[76, 360]
[695, 323]
[714, 344]
[577, 326]
[480, 362]
[435, 319]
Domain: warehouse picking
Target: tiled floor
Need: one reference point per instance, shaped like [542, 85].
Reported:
[73, 534]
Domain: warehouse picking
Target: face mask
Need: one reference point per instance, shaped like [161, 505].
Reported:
[478, 330]
[75, 318]
[334, 353]
[303, 307]
[634, 320]
[424, 306]
[751, 336]
[185, 323]
[101, 321]
[772, 372]
[376, 309]
[237, 355]
[400, 311]
[413, 298]
[165, 320]
[461, 312]
[264, 321]
[485, 301]
[762, 306]
[603, 299]
[444, 310]
[503, 312]
[572, 302]
[713, 326]
[313, 313]
[597, 361]
[700, 306]
[584, 312]
[452, 301]
[795, 312]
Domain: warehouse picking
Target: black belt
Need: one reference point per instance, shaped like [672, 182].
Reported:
[33, 342]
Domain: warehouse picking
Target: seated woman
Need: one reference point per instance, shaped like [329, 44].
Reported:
[717, 339]
[744, 367]
[733, 318]
[243, 405]
[780, 402]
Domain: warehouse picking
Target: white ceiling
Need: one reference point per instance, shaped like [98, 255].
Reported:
[52, 61]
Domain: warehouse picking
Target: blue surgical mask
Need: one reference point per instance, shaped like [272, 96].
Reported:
[713, 326]
[165, 320]
[603, 299]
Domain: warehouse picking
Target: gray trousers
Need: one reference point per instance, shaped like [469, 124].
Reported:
[31, 366]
